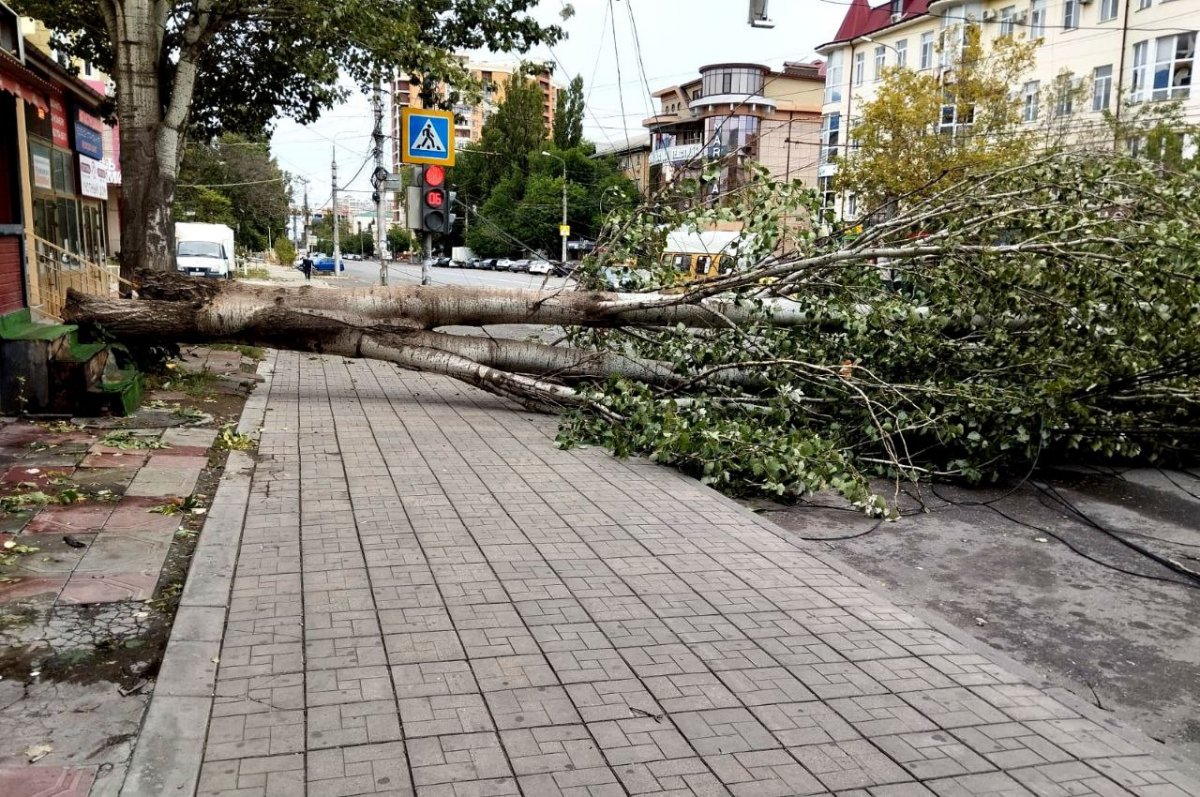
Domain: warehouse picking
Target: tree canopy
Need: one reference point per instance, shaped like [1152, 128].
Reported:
[516, 191]
[968, 124]
[233, 179]
[568, 116]
[204, 67]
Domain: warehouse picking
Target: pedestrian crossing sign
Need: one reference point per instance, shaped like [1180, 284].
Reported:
[427, 136]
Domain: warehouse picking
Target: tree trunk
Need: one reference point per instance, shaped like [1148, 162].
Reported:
[428, 307]
[394, 325]
[146, 196]
[153, 96]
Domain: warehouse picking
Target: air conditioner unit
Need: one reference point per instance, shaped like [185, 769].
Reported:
[897, 17]
[1084, 2]
[989, 15]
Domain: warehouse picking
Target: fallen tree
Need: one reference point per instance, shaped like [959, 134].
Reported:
[1040, 310]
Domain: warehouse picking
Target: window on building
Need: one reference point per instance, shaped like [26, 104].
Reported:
[927, 50]
[852, 206]
[1141, 71]
[1143, 5]
[833, 77]
[1008, 21]
[1101, 87]
[1029, 101]
[902, 53]
[1037, 19]
[1070, 14]
[733, 80]
[955, 116]
[1173, 63]
[1173, 60]
[860, 60]
[831, 131]
[1108, 9]
[828, 198]
[880, 60]
[1064, 98]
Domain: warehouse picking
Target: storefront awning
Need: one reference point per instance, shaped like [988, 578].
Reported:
[15, 79]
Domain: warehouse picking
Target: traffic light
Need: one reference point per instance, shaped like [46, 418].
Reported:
[435, 202]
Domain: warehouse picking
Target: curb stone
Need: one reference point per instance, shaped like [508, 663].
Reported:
[170, 744]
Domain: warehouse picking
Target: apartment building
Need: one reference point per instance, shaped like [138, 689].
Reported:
[1124, 54]
[632, 157]
[469, 119]
[738, 113]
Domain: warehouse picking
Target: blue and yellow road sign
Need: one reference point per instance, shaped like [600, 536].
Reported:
[427, 136]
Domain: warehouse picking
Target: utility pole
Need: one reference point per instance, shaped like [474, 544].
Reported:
[337, 249]
[307, 219]
[564, 203]
[380, 231]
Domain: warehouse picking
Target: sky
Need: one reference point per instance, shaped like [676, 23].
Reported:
[676, 38]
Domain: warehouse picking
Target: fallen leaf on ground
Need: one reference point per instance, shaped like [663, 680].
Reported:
[37, 752]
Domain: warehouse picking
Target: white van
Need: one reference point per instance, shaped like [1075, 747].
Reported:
[204, 250]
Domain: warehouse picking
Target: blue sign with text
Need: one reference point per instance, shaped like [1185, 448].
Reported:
[88, 141]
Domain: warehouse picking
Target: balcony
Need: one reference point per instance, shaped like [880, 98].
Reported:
[662, 121]
[751, 103]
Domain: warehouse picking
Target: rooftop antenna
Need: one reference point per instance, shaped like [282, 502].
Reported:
[758, 15]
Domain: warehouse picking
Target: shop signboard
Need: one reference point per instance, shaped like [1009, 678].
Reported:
[88, 139]
[58, 123]
[93, 178]
[41, 172]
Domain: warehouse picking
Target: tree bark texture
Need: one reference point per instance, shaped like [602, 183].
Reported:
[395, 325]
[430, 307]
[153, 96]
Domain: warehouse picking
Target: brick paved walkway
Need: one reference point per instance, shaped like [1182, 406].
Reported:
[430, 598]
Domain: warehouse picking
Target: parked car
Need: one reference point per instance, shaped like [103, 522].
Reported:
[457, 263]
[504, 264]
[442, 262]
[522, 265]
[540, 266]
[563, 269]
[352, 256]
[487, 264]
[325, 263]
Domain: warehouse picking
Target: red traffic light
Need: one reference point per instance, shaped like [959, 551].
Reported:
[435, 199]
[435, 176]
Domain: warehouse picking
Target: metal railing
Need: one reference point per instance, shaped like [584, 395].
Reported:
[59, 271]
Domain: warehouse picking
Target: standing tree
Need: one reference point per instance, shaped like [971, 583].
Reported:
[241, 170]
[214, 65]
[942, 127]
[568, 116]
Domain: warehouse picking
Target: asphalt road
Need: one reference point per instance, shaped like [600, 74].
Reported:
[366, 272]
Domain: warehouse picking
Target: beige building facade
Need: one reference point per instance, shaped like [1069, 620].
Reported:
[738, 113]
[632, 158]
[1119, 56]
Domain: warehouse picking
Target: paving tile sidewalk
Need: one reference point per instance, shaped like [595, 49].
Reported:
[416, 593]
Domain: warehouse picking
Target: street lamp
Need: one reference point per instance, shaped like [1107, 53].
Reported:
[562, 230]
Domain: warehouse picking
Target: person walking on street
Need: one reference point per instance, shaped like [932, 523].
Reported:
[307, 264]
